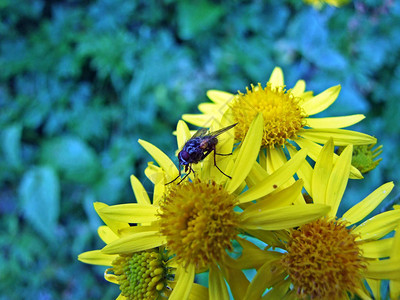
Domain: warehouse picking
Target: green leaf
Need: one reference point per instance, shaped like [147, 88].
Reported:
[39, 194]
[11, 145]
[72, 157]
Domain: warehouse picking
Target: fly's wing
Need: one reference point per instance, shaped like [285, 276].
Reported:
[199, 133]
[222, 130]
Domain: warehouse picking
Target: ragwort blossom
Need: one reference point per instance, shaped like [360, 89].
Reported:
[331, 258]
[288, 118]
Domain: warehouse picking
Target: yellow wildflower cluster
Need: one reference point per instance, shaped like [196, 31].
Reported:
[264, 172]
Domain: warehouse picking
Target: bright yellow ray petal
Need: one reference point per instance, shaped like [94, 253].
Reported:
[273, 181]
[206, 108]
[279, 290]
[378, 226]
[281, 198]
[237, 281]
[376, 249]
[184, 284]
[313, 152]
[265, 278]
[341, 137]
[135, 242]
[113, 279]
[198, 292]
[363, 294]
[395, 254]
[247, 154]
[115, 225]
[282, 217]
[106, 234]
[322, 172]
[120, 297]
[383, 269]
[276, 78]
[334, 122]
[304, 172]
[299, 88]
[219, 97]
[363, 208]
[161, 158]
[131, 213]
[321, 101]
[139, 191]
[275, 159]
[375, 286]
[216, 284]
[95, 257]
[338, 180]
[182, 134]
[257, 174]
[199, 120]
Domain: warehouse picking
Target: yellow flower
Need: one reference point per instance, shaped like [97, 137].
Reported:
[319, 3]
[198, 219]
[141, 275]
[327, 258]
[286, 116]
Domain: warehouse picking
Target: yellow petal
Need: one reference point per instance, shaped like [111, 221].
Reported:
[198, 292]
[375, 286]
[135, 242]
[338, 180]
[279, 290]
[376, 249]
[283, 217]
[199, 120]
[299, 88]
[131, 213]
[106, 234]
[276, 78]
[182, 134]
[237, 282]
[257, 174]
[395, 254]
[156, 176]
[161, 158]
[275, 159]
[265, 278]
[313, 152]
[321, 101]
[281, 198]
[378, 226]
[120, 297]
[184, 284]
[273, 181]
[322, 172]
[115, 225]
[110, 277]
[139, 191]
[247, 154]
[304, 172]
[95, 257]
[341, 137]
[334, 122]
[384, 269]
[206, 108]
[219, 97]
[216, 284]
[363, 208]
[394, 289]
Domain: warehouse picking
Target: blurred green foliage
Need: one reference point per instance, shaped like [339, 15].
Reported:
[80, 82]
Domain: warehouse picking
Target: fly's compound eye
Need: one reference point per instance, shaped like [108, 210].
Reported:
[184, 155]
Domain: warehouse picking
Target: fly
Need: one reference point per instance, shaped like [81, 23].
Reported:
[197, 148]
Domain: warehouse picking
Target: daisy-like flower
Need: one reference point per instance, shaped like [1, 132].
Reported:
[320, 3]
[197, 220]
[287, 118]
[330, 258]
[145, 274]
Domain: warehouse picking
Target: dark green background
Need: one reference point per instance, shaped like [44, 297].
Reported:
[81, 81]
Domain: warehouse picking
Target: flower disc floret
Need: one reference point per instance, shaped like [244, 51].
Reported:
[141, 275]
[199, 223]
[324, 261]
[283, 116]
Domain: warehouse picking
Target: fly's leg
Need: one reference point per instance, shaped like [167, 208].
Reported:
[187, 174]
[215, 163]
[179, 175]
